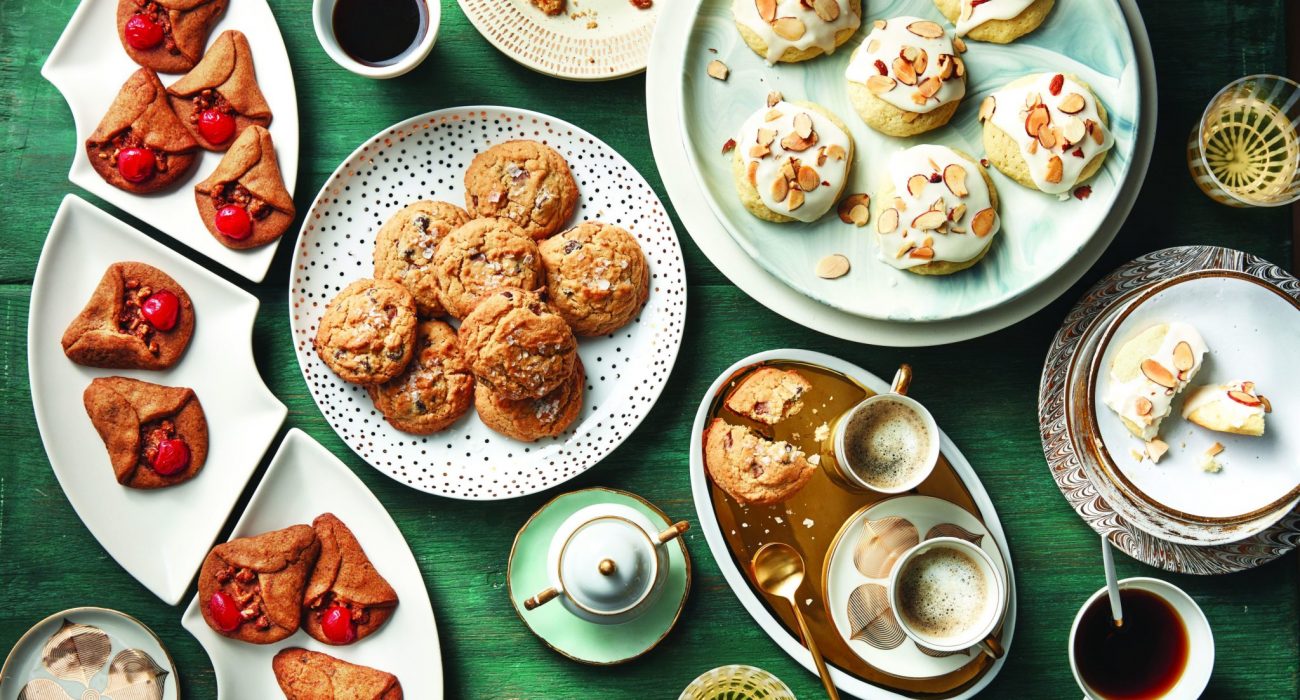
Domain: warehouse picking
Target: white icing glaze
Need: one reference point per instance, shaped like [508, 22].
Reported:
[887, 43]
[954, 241]
[1011, 110]
[1123, 396]
[1235, 412]
[972, 17]
[831, 172]
[817, 32]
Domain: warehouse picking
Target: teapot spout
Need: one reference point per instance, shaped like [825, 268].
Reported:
[540, 599]
[673, 532]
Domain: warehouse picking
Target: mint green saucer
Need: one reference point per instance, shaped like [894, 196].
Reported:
[590, 642]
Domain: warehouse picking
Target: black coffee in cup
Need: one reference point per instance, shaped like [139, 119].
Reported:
[1143, 658]
[887, 444]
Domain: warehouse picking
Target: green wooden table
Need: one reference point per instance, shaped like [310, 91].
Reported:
[48, 561]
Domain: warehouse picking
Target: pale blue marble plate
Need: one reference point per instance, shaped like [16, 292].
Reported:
[1040, 233]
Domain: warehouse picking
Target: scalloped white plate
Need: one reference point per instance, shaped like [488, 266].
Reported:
[89, 66]
[303, 481]
[159, 536]
[426, 157]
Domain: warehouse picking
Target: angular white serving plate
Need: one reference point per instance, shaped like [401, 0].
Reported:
[158, 536]
[88, 65]
[303, 481]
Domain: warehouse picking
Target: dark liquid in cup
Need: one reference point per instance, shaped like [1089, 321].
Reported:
[1143, 659]
[380, 32]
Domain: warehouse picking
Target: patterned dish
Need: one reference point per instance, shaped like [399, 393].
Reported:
[625, 371]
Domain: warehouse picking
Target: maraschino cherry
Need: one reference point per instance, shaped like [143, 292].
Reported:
[161, 309]
[172, 456]
[136, 164]
[143, 33]
[336, 623]
[224, 611]
[234, 222]
[216, 126]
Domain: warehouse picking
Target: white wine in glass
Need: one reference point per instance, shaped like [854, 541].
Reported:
[1245, 151]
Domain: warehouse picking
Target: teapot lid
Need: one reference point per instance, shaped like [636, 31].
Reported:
[608, 565]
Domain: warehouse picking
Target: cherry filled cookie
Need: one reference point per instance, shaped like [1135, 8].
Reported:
[311, 675]
[156, 435]
[220, 98]
[346, 598]
[141, 145]
[251, 588]
[137, 318]
[244, 202]
[167, 35]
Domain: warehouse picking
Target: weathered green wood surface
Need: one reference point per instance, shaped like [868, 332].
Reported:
[984, 392]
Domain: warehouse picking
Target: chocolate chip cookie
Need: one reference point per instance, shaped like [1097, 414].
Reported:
[533, 419]
[769, 395]
[405, 245]
[480, 257]
[527, 182]
[436, 388]
[368, 331]
[752, 469]
[597, 277]
[517, 345]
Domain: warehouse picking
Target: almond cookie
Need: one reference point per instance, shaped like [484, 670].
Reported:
[311, 675]
[787, 31]
[517, 345]
[527, 182]
[480, 257]
[996, 21]
[167, 35]
[220, 97]
[405, 245]
[244, 202]
[156, 435]
[137, 318]
[906, 78]
[436, 388]
[250, 588]
[596, 277]
[368, 332]
[791, 161]
[1151, 369]
[346, 598]
[1236, 407]
[141, 145]
[751, 469]
[769, 395]
[533, 419]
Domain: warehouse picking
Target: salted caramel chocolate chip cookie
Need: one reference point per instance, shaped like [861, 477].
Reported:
[251, 588]
[141, 145]
[167, 35]
[517, 345]
[526, 182]
[156, 435]
[480, 257]
[346, 598]
[435, 389]
[751, 469]
[405, 245]
[769, 395]
[311, 675]
[791, 161]
[367, 334]
[787, 31]
[138, 317]
[596, 277]
[907, 77]
[244, 202]
[530, 420]
[220, 98]
[995, 21]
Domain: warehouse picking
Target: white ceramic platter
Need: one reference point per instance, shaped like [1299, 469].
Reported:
[303, 481]
[1252, 331]
[88, 66]
[736, 578]
[426, 157]
[590, 40]
[665, 111]
[159, 536]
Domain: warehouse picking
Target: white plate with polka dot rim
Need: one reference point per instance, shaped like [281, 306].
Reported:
[426, 157]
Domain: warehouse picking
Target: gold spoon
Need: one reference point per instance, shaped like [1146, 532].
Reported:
[779, 570]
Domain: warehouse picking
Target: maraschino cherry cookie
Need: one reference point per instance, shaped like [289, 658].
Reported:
[346, 599]
[938, 211]
[138, 317]
[156, 435]
[244, 202]
[167, 35]
[250, 588]
[907, 77]
[788, 31]
[995, 21]
[1047, 131]
[791, 161]
[141, 145]
[311, 675]
[220, 98]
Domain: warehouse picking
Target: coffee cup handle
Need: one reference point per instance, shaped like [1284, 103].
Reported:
[902, 380]
[992, 647]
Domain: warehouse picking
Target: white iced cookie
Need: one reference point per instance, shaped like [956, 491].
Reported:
[791, 161]
[1236, 407]
[997, 21]
[938, 212]
[1047, 131]
[1148, 371]
[796, 30]
[906, 77]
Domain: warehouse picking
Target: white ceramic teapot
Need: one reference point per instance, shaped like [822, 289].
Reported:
[607, 563]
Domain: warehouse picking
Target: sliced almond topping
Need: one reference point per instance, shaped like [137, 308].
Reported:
[1143, 406]
[758, 151]
[772, 115]
[899, 204]
[766, 136]
[718, 69]
[773, 97]
[809, 180]
[1072, 104]
[853, 209]
[929, 87]
[902, 250]
[1032, 100]
[987, 107]
[803, 125]
[753, 172]
[960, 66]
[921, 61]
[789, 28]
[1037, 118]
[1248, 387]
[1243, 398]
[926, 29]
[1054, 166]
[957, 212]
[873, 46]
[1214, 450]
[959, 44]
[928, 242]
[832, 267]
[1047, 137]
[827, 10]
[1073, 130]
[888, 221]
[1157, 373]
[904, 71]
[836, 151]
[929, 221]
[1184, 358]
[879, 24]
[880, 84]
[798, 144]
[937, 204]
[956, 229]
[1032, 147]
[982, 223]
[919, 98]
[1156, 448]
[916, 183]
[821, 156]
[946, 66]
[910, 53]
[924, 253]
[766, 9]
[780, 188]
[1098, 136]
[788, 169]
[795, 201]
[954, 176]
[1268, 406]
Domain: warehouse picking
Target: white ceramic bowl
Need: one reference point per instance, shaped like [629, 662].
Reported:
[322, 18]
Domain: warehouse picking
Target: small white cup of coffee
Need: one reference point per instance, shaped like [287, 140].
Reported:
[888, 443]
[363, 27]
[948, 596]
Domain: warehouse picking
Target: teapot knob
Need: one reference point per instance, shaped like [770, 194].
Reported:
[606, 567]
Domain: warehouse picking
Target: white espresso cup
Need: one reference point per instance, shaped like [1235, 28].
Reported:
[322, 18]
[890, 435]
[948, 596]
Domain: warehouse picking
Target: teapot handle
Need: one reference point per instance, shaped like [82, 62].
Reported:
[540, 599]
[673, 532]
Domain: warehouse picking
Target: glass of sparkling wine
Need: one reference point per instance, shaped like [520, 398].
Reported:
[1245, 151]
[737, 682]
